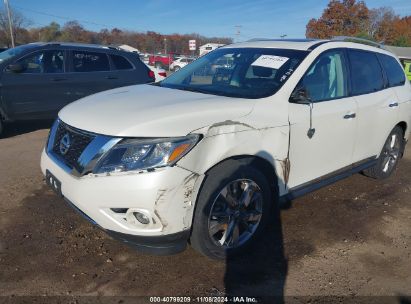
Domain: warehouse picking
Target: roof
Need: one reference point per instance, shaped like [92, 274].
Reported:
[295, 44]
[76, 44]
[310, 44]
[401, 52]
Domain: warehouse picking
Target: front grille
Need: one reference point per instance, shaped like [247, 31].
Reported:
[79, 140]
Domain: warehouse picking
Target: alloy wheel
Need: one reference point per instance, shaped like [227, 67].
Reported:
[235, 213]
[391, 153]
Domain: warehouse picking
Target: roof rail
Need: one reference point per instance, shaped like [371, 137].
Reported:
[80, 44]
[282, 39]
[358, 40]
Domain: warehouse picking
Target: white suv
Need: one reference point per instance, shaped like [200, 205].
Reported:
[205, 154]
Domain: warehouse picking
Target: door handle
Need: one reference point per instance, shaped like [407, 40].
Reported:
[59, 79]
[393, 105]
[349, 116]
[111, 77]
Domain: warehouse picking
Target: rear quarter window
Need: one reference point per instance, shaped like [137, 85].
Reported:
[366, 72]
[393, 70]
[84, 61]
[121, 63]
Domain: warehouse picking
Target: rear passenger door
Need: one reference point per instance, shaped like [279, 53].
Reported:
[395, 77]
[89, 73]
[377, 104]
[398, 82]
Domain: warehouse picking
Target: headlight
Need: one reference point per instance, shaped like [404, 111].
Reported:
[143, 154]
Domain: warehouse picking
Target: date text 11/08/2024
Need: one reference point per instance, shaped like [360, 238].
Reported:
[221, 299]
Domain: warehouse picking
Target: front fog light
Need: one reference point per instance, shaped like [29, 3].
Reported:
[142, 218]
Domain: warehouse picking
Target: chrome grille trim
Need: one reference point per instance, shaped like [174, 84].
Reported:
[79, 142]
[82, 160]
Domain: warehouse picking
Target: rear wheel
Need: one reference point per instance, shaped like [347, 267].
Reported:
[158, 65]
[1, 127]
[389, 157]
[231, 210]
[176, 68]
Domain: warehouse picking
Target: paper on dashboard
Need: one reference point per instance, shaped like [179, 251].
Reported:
[270, 61]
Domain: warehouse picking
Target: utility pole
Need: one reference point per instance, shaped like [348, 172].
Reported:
[6, 3]
[165, 45]
[238, 32]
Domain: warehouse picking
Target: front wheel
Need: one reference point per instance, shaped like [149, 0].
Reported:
[389, 157]
[232, 209]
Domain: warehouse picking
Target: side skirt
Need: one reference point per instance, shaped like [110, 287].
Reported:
[329, 179]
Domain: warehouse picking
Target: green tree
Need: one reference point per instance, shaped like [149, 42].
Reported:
[401, 41]
[340, 18]
[353, 18]
[52, 32]
[73, 31]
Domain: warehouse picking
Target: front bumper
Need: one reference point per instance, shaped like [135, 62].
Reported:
[165, 196]
[158, 245]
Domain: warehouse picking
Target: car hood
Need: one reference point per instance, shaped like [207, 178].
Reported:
[151, 111]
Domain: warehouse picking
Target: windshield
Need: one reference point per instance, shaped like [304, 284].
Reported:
[238, 72]
[14, 52]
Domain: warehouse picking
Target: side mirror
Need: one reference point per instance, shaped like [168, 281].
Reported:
[16, 67]
[301, 96]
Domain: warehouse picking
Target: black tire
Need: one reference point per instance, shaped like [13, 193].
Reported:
[381, 170]
[231, 171]
[1, 127]
[176, 68]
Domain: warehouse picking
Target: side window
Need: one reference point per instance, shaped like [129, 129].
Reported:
[121, 63]
[326, 79]
[366, 73]
[43, 62]
[90, 62]
[393, 69]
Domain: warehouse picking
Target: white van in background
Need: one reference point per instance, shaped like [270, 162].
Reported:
[207, 48]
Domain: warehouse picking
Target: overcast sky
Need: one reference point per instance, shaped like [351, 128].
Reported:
[258, 18]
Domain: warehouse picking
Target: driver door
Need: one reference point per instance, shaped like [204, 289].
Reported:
[334, 122]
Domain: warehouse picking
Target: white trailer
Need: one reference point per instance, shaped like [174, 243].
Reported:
[208, 47]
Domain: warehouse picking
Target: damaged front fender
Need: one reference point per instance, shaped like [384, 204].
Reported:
[174, 207]
[229, 139]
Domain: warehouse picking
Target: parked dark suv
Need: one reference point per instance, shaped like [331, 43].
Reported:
[38, 79]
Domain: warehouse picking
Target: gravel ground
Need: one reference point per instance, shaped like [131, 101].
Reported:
[348, 240]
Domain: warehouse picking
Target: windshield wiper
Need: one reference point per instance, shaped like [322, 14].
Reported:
[191, 89]
[198, 90]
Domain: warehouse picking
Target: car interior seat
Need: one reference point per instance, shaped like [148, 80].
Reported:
[317, 83]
